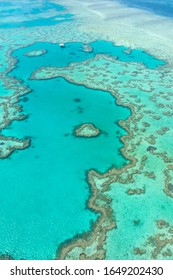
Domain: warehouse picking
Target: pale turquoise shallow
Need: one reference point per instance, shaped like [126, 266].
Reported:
[43, 188]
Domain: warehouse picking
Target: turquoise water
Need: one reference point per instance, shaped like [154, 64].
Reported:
[43, 188]
[135, 55]
[46, 188]
[24, 9]
[44, 198]
[146, 209]
[73, 52]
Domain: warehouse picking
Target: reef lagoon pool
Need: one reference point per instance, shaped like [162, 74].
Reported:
[84, 121]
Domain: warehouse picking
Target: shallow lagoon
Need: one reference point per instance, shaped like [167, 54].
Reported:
[44, 202]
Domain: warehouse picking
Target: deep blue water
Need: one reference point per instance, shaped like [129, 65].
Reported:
[159, 7]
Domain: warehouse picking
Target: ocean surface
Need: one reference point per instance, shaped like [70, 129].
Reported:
[43, 189]
[159, 7]
[44, 198]
[31, 13]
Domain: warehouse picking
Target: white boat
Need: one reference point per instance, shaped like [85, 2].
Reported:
[61, 45]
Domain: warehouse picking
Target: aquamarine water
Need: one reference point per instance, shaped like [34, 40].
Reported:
[46, 188]
[22, 9]
[73, 52]
[146, 209]
[44, 199]
[44, 191]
